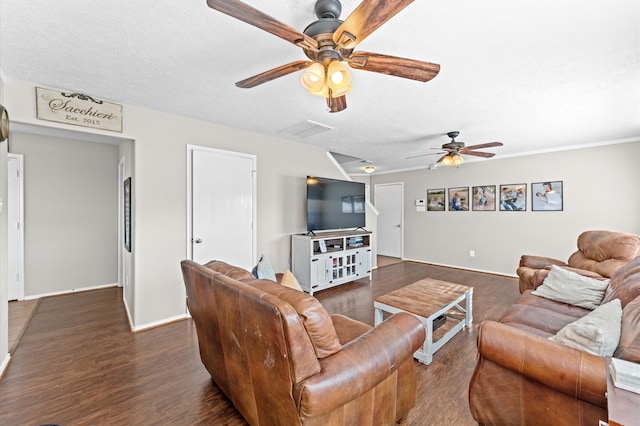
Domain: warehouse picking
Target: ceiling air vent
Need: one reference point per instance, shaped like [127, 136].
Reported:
[304, 129]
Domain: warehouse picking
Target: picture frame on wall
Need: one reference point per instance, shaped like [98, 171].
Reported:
[458, 199]
[547, 196]
[126, 204]
[513, 197]
[483, 198]
[436, 200]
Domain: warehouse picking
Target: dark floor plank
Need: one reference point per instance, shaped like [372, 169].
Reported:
[78, 364]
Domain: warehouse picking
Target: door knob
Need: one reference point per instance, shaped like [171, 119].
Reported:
[197, 240]
[398, 226]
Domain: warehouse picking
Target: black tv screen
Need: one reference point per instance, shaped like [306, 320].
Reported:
[334, 204]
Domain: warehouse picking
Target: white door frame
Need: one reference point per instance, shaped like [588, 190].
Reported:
[401, 207]
[121, 261]
[189, 233]
[15, 197]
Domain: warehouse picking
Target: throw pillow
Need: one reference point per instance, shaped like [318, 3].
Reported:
[289, 280]
[566, 286]
[597, 333]
[263, 270]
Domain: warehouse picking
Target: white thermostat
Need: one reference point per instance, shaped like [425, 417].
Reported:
[420, 202]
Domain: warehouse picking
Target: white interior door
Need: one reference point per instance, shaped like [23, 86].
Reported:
[389, 203]
[223, 207]
[15, 231]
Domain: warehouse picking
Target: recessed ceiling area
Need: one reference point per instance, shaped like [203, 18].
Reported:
[537, 76]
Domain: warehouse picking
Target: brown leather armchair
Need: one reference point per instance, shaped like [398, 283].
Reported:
[281, 359]
[599, 255]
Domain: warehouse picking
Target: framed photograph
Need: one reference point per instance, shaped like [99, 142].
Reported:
[127, 214]
[546, 196]
[483, 198]
[459, 199]
[513, 197]
[435, 200]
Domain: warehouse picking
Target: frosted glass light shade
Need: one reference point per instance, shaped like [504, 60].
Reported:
[313, 80]
[452, 159]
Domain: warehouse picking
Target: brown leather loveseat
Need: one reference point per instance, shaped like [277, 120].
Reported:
[599, 255]
[281, 359]
[522, 377]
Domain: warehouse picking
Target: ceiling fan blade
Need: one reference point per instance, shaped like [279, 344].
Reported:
[337, 104]
[483, 145]
[422, 155]
[365, 19]
[392, 65]
[266, 76]
[252, 16]
[477, 153]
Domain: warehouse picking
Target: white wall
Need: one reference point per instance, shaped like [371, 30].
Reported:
[600, 192]
[71, 222]
[159, 191]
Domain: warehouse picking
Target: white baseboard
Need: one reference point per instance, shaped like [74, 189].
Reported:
[159, 323]
[5, 365]
[72, 290]
[502, 274]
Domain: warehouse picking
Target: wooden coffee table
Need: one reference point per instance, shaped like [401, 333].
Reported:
[428, 299]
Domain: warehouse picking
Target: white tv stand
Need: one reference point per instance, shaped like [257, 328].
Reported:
[329, 259]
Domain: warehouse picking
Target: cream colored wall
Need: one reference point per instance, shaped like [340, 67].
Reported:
[4, 284]
[600, 192]
[159, 191]
[71, 201]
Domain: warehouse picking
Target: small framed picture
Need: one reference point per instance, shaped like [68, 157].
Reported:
[435, 200]
[483, 198]
[513, 197]
[546, 196]
[459, 199]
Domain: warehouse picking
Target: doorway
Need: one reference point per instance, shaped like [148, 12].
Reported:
[221, 206]
[389, 202]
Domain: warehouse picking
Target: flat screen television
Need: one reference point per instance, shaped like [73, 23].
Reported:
[334, 204]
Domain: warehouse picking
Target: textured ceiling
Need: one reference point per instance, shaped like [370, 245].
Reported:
[536, 75]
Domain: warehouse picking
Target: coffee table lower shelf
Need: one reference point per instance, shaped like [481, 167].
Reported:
[427, 300]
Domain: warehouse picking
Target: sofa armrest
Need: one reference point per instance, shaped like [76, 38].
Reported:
[570, 371]
[540, 262]
[361, 365]
[531, 278]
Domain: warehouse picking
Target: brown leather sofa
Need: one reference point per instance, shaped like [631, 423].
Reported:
[521, 377]
[281, 359]
[599, 255]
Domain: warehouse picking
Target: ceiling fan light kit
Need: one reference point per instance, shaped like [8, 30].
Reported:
[452, 160]
[328, 42]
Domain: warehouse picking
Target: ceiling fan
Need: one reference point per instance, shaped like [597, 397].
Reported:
[454, 150]
[328, 42]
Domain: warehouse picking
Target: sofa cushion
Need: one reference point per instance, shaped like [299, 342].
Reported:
[604, 251]
[540, 316]
[597, 333]
[629, 346]
[315, 318]
[625, 283]
[568, 287]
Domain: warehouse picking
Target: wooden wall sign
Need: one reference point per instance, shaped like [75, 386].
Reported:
[78, 109]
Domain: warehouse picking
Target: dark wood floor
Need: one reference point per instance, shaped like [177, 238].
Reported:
[78, 364]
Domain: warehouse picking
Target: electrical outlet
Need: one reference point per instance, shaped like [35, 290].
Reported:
[472, 253]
